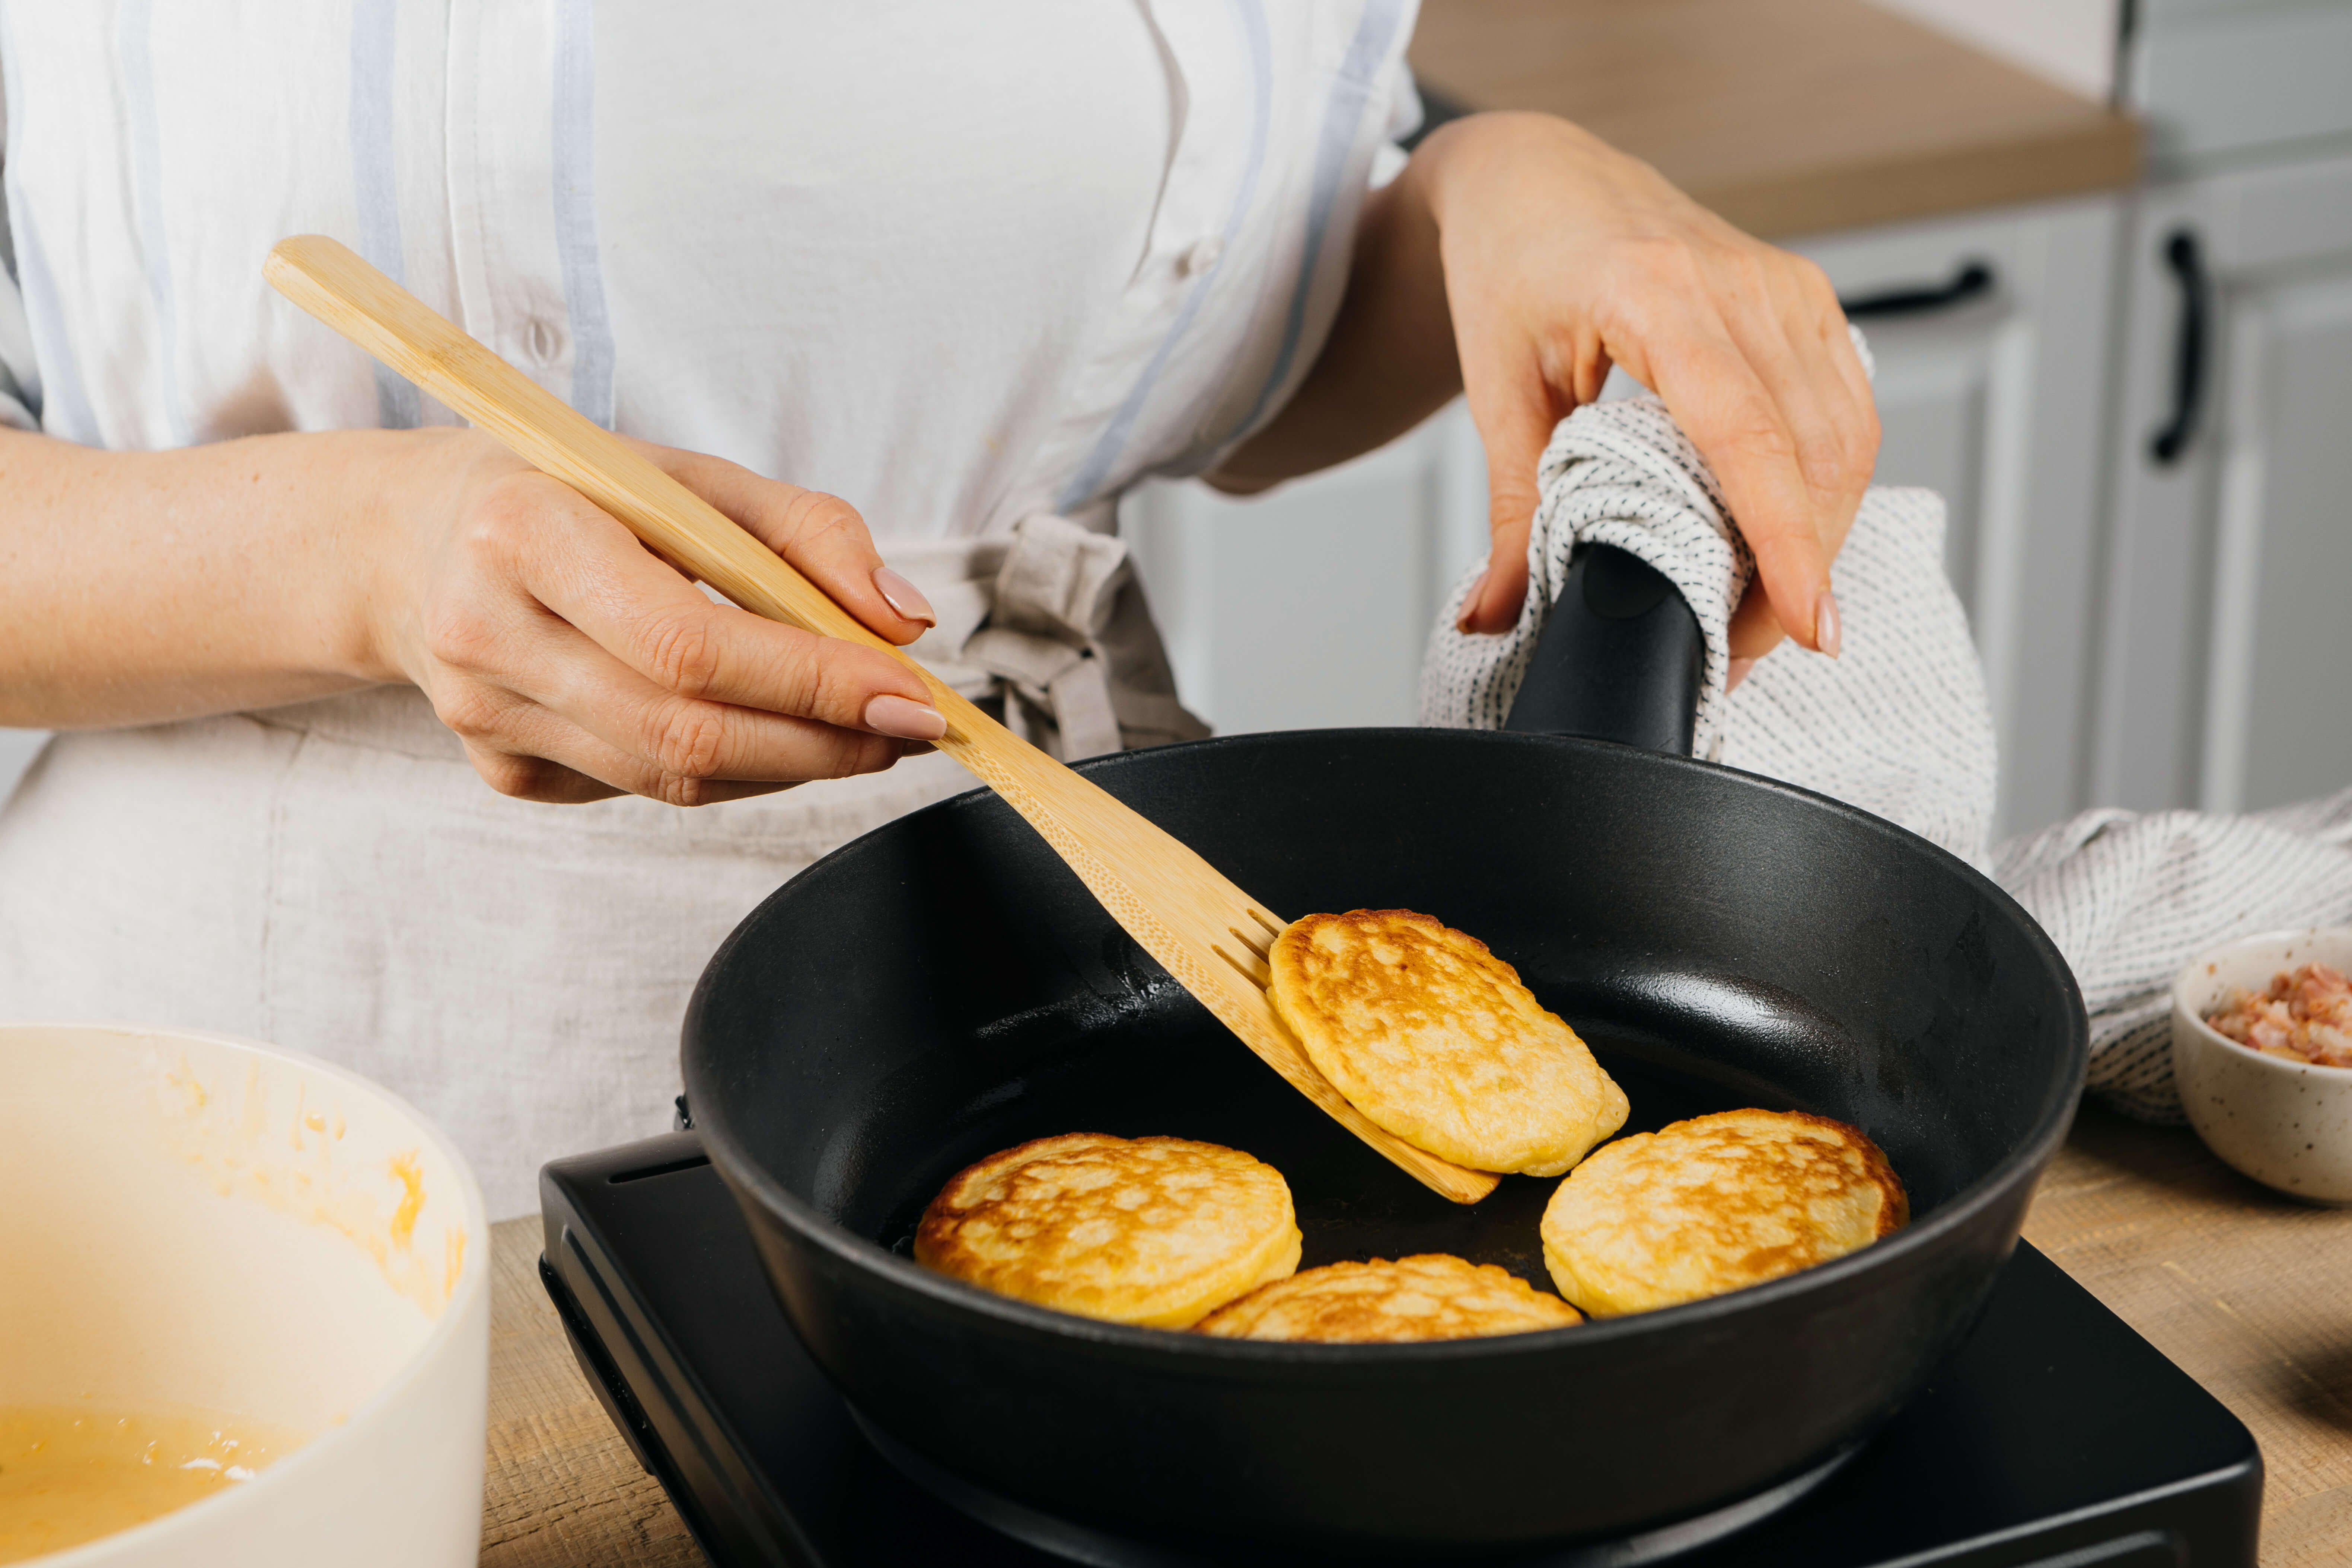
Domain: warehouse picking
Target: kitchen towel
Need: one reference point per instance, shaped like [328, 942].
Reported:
[2130, 896]
[1901, 726]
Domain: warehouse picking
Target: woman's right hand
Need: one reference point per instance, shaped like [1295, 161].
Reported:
[575, 665]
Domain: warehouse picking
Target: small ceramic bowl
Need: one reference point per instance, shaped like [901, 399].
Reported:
[2287, 1124]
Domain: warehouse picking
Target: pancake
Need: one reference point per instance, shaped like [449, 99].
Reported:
[1715, 1204]
[1158, 1232]
[1432, 1296]
[1434, 1039]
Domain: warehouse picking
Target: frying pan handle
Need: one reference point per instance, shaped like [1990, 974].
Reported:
[1620, 660]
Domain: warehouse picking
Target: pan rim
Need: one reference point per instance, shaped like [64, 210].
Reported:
[1197, 1354]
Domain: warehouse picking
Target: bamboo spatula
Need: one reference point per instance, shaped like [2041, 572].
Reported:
[1210, 935]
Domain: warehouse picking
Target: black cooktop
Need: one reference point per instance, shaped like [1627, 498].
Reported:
[2057, 1437]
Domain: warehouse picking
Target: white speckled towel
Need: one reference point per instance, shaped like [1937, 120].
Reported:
[1901, 726]
[2130, 896]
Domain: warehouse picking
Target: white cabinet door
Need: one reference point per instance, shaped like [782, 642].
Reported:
[1995, 397]
[2228, 638]
[17, 750]
[1308, 607]
[2215, 80]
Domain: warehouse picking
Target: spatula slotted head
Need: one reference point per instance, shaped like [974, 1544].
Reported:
[1212, 937]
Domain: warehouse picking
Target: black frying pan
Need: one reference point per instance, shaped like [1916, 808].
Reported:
[944, 988]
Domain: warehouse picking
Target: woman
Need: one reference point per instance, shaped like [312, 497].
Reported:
[374, 737]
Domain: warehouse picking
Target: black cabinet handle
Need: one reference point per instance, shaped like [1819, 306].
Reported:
[2187, 260]
[1971, 281]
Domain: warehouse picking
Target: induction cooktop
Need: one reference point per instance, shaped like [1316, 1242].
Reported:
[2056, 1437]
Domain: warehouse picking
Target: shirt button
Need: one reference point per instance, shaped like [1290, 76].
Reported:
[1202, 256]
[545, 343]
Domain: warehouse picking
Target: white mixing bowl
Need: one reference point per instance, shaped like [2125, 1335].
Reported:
[199, 1223]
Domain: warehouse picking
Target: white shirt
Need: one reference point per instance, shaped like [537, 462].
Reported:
[957, 263]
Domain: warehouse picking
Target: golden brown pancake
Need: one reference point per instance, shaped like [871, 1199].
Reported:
[1153, 1231]
[1434, 1039]
[1431, 1296]
[1714, 1204]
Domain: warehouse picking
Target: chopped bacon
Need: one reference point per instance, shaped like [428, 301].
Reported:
[2306, 1016]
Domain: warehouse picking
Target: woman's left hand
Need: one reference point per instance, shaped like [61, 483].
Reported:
[1516, 258]
[1563, 256]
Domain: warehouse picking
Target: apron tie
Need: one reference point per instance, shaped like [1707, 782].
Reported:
[1050, 620]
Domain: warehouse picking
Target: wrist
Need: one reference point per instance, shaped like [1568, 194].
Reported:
[1464, 156]
[385, 474]
[411, 485]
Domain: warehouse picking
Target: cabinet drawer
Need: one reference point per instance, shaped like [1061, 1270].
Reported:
[2214, 78]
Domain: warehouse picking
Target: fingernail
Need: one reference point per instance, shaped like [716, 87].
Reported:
[1825, 623]
[905, 719]
[905, 598]
[1738, 673]
[1470, 606]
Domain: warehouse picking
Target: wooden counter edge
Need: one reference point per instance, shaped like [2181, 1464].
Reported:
[2103, 155]
[1978, 134]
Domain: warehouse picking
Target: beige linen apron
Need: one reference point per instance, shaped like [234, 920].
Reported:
[334, 875]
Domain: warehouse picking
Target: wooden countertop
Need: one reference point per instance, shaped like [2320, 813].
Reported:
[2249, 1293]
[563, 1489]
[1789, 117]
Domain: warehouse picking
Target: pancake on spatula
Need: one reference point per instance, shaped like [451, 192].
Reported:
[1714, 1204]
[1429, 1296]
[1434, 1038]
[1158, 1232]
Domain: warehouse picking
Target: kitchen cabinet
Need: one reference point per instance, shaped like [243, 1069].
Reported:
[17, 750]
[2228, 81]
[2230, 548]
[1789, 117]
[2231, 562]
[1310, 605]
